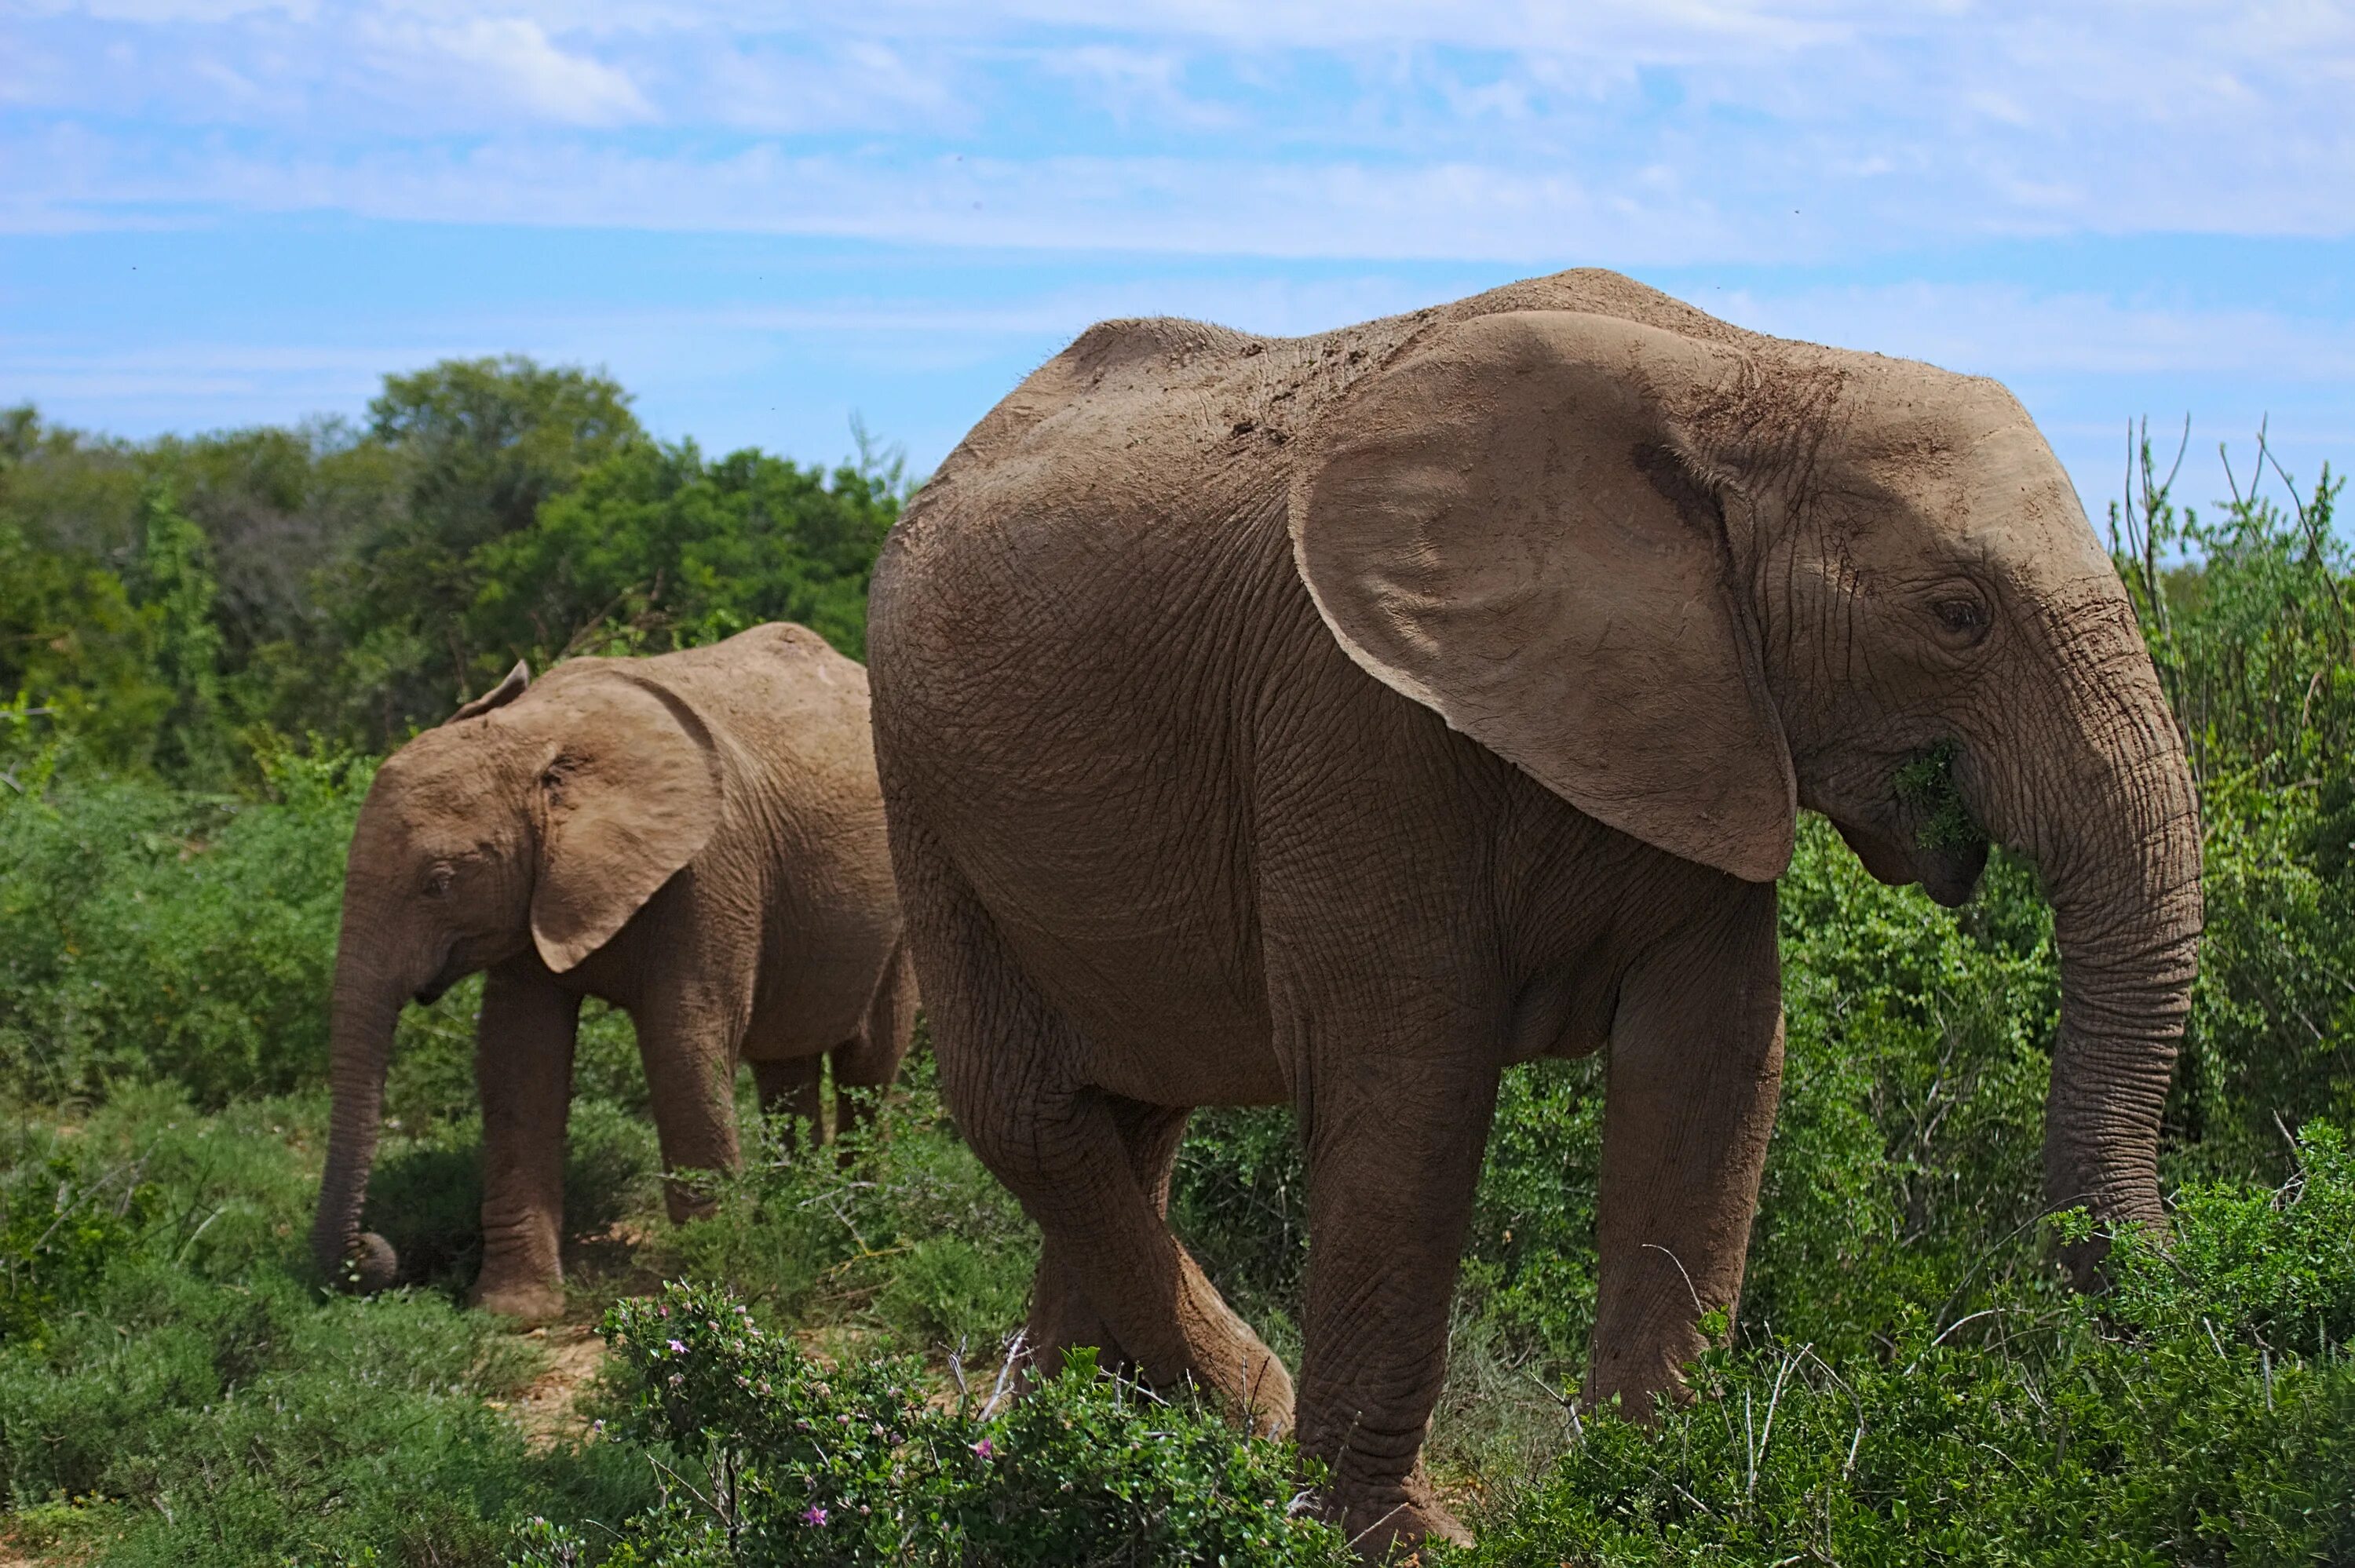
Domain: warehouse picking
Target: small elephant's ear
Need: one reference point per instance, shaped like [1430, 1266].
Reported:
[1508, 527]
[511, 686]
[630, 795]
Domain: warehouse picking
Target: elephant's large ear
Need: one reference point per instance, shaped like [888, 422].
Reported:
[1508, 526]
[630, 795]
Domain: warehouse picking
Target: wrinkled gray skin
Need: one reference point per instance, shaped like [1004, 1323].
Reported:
[696, 838]
[1339, 720]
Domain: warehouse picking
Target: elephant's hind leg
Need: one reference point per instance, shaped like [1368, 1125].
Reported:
[1010, 1062]
[1217, 1340]
[865, 1064]
[791, 1088]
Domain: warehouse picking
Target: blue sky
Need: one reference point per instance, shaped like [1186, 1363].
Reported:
[766, 219]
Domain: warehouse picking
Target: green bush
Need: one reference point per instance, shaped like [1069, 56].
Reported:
[146, 932]
[907, 1237]
[188, 1396]
[2203, 1413]
[788, 1462]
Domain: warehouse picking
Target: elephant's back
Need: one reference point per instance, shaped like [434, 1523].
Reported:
[775, 673]
[789, 716]
[1156, 417]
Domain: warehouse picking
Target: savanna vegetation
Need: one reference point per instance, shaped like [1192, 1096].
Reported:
[205, 644]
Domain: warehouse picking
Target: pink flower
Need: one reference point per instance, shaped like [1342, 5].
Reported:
[813, 1515]
[677, 1348]
[984, 1448]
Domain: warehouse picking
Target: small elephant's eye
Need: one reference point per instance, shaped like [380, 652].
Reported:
[438, 880]
[1963, 617]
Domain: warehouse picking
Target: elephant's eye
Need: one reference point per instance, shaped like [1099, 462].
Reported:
[438, 880]
[1963, 617]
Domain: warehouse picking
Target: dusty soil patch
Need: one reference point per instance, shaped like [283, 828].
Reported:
[545, 1408]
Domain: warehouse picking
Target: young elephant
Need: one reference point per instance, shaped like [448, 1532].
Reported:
[1339, 720]
[696, 838]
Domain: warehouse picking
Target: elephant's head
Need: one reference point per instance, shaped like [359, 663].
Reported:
[1691, 584]
[529, 821]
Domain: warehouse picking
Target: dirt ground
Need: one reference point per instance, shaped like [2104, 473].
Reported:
[545, 1409]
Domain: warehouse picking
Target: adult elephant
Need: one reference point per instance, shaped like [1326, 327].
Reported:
[1339, 720]
[696, 838]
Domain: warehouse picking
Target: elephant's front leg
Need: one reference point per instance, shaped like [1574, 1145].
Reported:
[688, 1040]
[1395, 1114]
[1695, 1060]
[523, 1065]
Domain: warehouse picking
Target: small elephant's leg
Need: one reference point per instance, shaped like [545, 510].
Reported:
[1061, 1315]
[1394, 1138]
[792, 1089]
[688, 1043]
[867, 1064]
[1696, 1059]
[523, 1066]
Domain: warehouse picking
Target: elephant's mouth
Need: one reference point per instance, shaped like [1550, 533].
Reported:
[1949, 873]
[1926, 834]
[1951, 876]
[449, 974]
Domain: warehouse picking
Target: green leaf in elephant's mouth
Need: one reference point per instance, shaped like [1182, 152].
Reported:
[1926, 787]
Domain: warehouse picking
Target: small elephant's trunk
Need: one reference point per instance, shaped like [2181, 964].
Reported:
[368, 1002]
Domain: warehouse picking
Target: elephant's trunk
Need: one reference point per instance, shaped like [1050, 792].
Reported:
[2105, 807]
[368, 997]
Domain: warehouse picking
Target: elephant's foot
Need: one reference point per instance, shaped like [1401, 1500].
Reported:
[1224, 1358]
[688, 1200]
[1231, 1359]
[1382, 1520]
[531, 1302]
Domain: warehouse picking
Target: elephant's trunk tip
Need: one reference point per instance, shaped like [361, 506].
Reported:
[362, 1266]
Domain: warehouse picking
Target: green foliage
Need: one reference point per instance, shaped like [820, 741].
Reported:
[657, 548]
[2204, 1412]
[2275, 1269]
[161, 602]
[483, 445]
[147, 931]
[910, 1241]
[189, 1398]
[175, 590]
[56, 1234]
[74, 650]
[792, 1463]
[2250, 627]
[1926, 785]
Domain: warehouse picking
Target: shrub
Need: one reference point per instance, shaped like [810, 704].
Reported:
[185, 1396]
[911, 1239]
[2205, 1412]
[144, 932]
[789, 1462]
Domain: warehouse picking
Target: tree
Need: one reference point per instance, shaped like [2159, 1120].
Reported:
[658, 548]
[482, 444]
[175, 590]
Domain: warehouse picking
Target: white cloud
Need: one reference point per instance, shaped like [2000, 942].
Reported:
[508, 60]
[768, 86]
[1535, 132]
